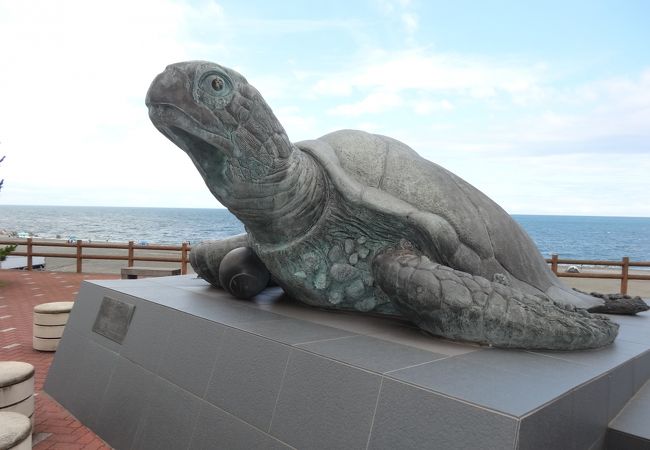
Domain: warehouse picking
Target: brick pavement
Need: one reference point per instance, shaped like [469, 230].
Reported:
[20, 291]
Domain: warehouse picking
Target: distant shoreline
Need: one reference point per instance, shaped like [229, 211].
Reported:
[635, 287]
[561, 267]
[36, 239]
[576, 237]
[222, 208]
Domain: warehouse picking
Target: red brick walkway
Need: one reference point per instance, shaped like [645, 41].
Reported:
[20, 291]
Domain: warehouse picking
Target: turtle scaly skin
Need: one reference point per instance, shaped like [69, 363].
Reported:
[360, 222]
[458, 305]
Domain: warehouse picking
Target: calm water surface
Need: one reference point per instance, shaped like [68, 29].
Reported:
[580, 237]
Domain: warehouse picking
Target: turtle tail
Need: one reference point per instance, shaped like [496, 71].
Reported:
[458, 305]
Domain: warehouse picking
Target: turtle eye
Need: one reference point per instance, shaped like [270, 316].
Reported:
[217, 83]
[214, 88]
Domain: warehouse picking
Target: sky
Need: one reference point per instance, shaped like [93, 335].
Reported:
[543, 106]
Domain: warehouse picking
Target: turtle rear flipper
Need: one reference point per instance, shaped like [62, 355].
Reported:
[458, 305]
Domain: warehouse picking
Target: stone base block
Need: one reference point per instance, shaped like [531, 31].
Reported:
[133, 273]
[174, 363]
[629, 430]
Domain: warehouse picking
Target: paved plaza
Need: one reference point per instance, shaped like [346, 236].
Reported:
[20, 291]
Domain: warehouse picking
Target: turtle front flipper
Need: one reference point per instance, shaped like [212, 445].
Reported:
[205, 258]
[458, 305]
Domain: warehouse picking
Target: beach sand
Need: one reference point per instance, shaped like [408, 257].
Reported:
[609, 286]
[605, 286]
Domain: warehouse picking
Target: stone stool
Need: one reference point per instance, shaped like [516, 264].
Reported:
[17, 388]
[15, 431]
[49, 322]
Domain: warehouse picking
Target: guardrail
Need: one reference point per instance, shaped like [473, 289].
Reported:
[79, 246]
[624, 264]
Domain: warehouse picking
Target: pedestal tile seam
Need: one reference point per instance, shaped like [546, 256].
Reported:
[374, 413]
[277, 398]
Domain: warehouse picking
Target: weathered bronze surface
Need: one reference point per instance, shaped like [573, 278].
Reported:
[360, 222]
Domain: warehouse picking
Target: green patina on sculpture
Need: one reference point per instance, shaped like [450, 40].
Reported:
[356, 221]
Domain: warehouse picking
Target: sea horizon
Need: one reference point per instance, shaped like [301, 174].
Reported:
[224, 208]
[570, 236]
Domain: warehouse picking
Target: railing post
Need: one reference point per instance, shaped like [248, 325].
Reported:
[625, 270]
[554, 258]
[79, 257]
[130, 262]
[184, 259]
[29, 253]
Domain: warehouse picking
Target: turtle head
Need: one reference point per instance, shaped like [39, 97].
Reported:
[222, 123]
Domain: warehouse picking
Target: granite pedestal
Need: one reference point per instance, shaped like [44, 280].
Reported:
[192, 367]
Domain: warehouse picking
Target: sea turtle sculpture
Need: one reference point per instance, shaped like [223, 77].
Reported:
[357, 221]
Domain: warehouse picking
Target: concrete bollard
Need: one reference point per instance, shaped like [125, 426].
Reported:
[49, 323]
[15, 431]
[17, 388]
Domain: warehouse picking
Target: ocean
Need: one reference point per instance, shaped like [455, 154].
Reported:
[114, 224]
[577, 237]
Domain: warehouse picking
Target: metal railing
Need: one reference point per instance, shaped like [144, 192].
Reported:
[79, 255]
[624, 264]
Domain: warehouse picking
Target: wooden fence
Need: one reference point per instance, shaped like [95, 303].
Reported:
[130, 257]
[624, 264]
[185, 248]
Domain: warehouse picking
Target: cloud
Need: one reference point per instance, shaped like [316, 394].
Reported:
[404, 11]
[606, 115]
[426, 106]
[510, 105]
[388, 79]
[276, 26]
[294, 118]
[335, 85]
[531, 140]
[74, 78]
[527, 131]
[570, 184]
[410, 21]
[374, 103]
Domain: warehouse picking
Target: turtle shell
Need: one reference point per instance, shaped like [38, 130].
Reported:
[468, 231]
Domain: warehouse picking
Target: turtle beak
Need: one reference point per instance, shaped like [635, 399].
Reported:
[183, 120]
[173, 88]
[170, 87]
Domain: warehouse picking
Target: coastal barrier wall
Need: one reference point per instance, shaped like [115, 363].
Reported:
[179, 254]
